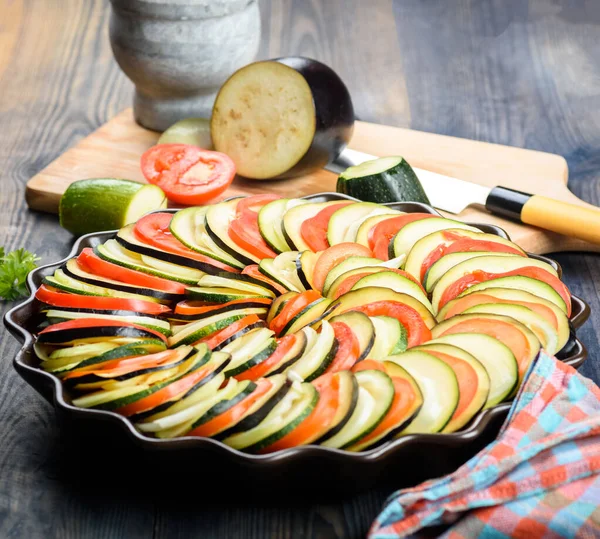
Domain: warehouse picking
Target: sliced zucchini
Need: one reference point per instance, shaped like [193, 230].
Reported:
[363, 329]
[242, 285]
[250, 350]
[439, 387]
[317, 358]
[362, 234]
[311, 315]
[340, 224]
[348, 400]
[349, 264]
[189, 227]
[390, 337]
[295, 352]
[218, 218]
[214, 294]
[293, 219]
[410, 233]
[305, 268]
[352, 234]
[114, 252]
[375, 397]
[282, 270]
[288, 413]
[270, 222]
[278, 304]
[384, 179]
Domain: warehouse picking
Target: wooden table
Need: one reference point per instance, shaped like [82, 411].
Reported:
[516, 72]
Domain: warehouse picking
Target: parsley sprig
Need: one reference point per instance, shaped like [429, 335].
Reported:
[14, 268]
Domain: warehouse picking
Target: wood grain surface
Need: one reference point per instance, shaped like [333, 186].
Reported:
[114, 150]
[516, 72]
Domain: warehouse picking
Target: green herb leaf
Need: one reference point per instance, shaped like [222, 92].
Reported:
[14, 268]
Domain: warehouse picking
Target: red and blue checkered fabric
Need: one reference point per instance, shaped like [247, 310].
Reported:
[539, 479]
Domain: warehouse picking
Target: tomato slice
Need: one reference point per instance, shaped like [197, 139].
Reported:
[153, 229]
[292, 308]
[245, 233]
[187, 174]
[252, 271]
[215, 339]
[462, 304]
[415, 326]
[332, 256]
[82, 323]
[347, 284]
[97, 266]
[284, 345]
[199, 307]
[314, 230]
[254, 203]
[369, 365]
[318, 421]
[381, 234]
[51, 296]
[505, 332]
[119, 367]
[348, 348]
[460, 244]
[480, 276]
[234, 414]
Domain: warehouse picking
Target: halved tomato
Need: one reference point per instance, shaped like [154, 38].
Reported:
[416, 329]
[332, 256]
[51, 296]
[153, 229]
[382, 233]
[187, 174]
[314, 230]
[98, 266]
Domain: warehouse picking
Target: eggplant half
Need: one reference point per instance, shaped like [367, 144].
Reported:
[282, 118]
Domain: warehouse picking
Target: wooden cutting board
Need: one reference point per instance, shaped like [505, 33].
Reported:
[114, 150]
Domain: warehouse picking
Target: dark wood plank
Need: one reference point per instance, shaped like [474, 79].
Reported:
[509, 71]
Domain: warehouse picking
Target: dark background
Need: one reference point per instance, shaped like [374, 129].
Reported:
[516, 72]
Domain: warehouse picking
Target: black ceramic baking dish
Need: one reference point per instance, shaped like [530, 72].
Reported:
[404, 462]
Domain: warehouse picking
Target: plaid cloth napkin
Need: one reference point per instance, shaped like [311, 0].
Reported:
[539, 479]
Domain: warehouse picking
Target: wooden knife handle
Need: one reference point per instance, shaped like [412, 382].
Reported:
[547, 213]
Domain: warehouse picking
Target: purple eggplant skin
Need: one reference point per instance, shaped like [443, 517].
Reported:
[334, 115]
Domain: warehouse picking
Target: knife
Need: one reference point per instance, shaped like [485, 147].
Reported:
[454, 195]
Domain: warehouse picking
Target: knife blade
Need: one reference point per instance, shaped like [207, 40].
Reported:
[454, 195]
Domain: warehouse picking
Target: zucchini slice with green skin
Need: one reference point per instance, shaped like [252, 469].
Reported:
[393, 422]
[340, 226]
[543, 330]
[194, 331]
[114, 252]
[243, 285]
[157, 324]
[312, 315]
[189, 227]
[439, 387]
[259, 410]
[270, 222]
[293, 219]
[390, 337]
[348, 399]
[489, 264]
[395, 282]
[363, 329]
[447, 262]
[283, 270]
[214, 294]
[317, 358]
[254, 348]
[352, 234]
[375, 397]
[301, 345]
[423, 248]
[352, 262]
[126, 237]
[385, 179]
[409, 234]
[113, 400]
[250, 304]
[518, 282]
[218, 218]
[180, 423]
[64, 282]
[495, 356]
[289, 412]
[468, 369]
[278, 304]
[305, 268]
[362, 234]
[73, 269]
[371, 294]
